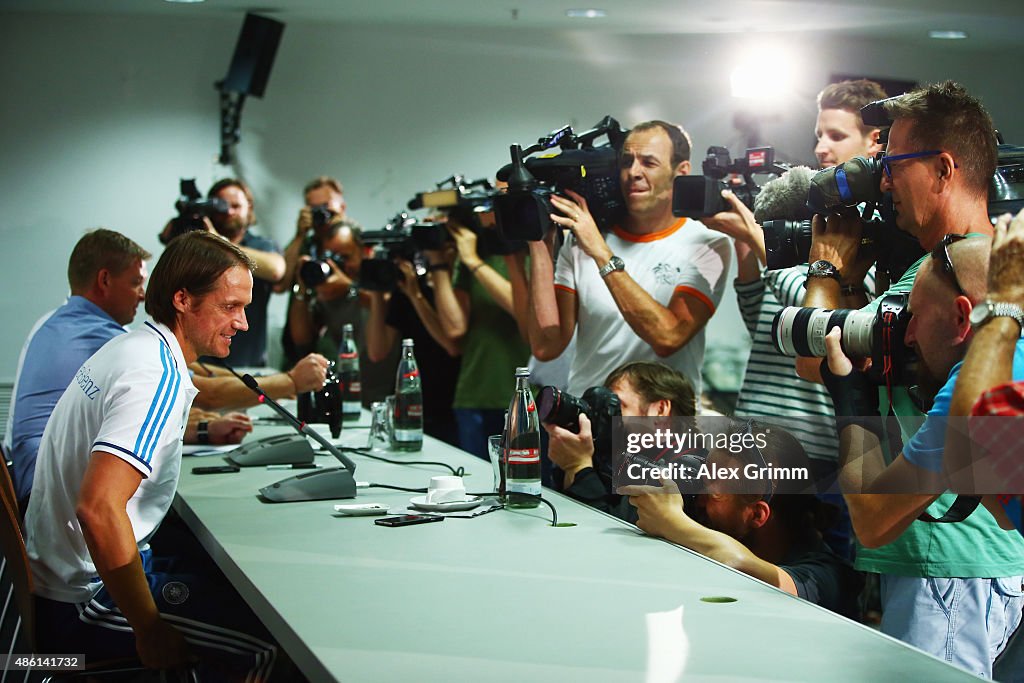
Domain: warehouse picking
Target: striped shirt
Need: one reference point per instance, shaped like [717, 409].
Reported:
[771, 390]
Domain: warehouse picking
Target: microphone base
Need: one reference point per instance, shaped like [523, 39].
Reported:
[328, 484]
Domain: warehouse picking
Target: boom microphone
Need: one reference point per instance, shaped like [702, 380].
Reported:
[785, 197]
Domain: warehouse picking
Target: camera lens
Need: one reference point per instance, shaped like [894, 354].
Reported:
[560, 408]
[798, 331]
[314, 273]
[321, 215]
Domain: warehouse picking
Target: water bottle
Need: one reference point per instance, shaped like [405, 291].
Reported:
[408, 402]
[522, 447]
[348, 374]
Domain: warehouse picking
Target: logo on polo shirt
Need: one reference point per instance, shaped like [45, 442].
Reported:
[85, 383]
[666, 273]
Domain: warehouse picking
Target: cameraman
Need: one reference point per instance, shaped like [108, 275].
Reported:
[774, 538]
[644, 388]
[318, 311]
[409, 312]
[768, 389]
[248, 348]
[923, 565]
[654, 301]
[476, 310]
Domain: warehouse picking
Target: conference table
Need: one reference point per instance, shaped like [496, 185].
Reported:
[504, 596]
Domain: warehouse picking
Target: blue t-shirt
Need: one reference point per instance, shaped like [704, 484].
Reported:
[52, 357]
[925, 448]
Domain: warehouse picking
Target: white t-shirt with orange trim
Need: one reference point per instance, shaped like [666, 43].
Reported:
[686, 257]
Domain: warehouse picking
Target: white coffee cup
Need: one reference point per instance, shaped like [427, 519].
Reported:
[446, 489]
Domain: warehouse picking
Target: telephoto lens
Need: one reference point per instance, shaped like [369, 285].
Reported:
[798, 331]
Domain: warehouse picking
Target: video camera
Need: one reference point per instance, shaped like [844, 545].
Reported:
[798, 331]
[404, 237]
[469, 204]
[192, 208]
[701, 195]
[523, 211]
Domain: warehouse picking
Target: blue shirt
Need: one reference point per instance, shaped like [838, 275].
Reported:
[52, 356]
[925, 448]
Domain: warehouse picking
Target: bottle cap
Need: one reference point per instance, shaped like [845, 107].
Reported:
[346, 328]
[522, 372]
[407, 342]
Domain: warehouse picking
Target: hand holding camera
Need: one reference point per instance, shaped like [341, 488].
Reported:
[580, 221]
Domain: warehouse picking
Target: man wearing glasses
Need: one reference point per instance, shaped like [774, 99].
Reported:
[951, 589]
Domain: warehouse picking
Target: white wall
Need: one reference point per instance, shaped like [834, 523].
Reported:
[102, 115]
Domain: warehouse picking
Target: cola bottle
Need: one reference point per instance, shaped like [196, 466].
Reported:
[522, 447]
[408, 418]
[348, 374]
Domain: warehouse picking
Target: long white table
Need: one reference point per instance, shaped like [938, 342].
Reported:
[506, 597]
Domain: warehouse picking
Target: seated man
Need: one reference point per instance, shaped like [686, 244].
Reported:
[108, 469]
[773, 538]
[106, 272]
[644, 388]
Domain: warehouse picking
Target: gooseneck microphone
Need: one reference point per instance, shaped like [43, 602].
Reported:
[325, 484]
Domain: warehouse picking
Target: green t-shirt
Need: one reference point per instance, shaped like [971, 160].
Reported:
[975, 547]
[492, 348]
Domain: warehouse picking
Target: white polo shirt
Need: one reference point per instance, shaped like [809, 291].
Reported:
[687, 257]
[130, 399]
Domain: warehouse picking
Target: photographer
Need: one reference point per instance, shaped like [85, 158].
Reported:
[940, 158]
[768, 389]
[775, 539]
[409, 312]
[644, 291]
[249, 347]
[644, 388]
[319, 309]
[476, 310]
[975, 559]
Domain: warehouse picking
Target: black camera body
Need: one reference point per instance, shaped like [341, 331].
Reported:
[403, 237]
[466, 202]
[192, 208]
[523, 211]
[599, 404]
[701, 195]
[800, 331]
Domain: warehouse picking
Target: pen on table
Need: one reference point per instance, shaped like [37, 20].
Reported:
[295, 466]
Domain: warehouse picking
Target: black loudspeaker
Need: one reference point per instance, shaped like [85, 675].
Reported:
[254, 55]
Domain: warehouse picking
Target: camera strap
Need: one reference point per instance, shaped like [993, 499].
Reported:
[960, 510]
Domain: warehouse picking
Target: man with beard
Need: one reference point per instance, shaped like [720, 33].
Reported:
[249, 348]
[968, 619]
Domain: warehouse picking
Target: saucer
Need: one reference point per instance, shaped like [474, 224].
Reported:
[420, 503]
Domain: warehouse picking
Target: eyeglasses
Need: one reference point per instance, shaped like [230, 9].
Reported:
[887, 160]
[941, 254]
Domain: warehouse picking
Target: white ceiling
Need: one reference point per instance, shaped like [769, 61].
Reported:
[988, 22]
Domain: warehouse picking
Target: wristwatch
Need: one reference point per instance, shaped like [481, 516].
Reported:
[614, 263]
[203, 432]
[823, 268]
[988, 309]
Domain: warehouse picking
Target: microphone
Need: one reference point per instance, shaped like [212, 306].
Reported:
[325, 484]
[781, 209]
[785, 197]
